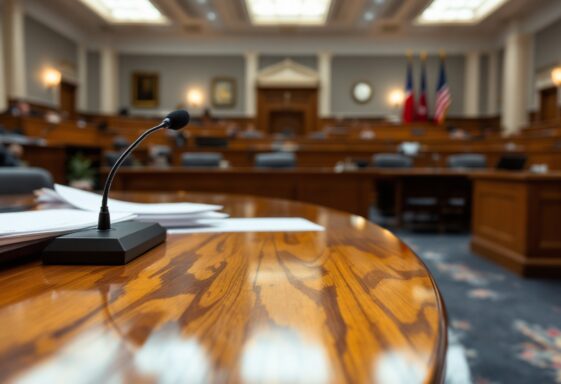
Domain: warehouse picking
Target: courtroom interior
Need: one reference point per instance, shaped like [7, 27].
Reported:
[291, 191]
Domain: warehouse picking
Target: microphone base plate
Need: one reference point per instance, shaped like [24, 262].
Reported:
[121, 244]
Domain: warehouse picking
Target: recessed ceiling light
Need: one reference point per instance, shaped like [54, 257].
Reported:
[292, 12]
[379, 1]
[369, 16]
[211, 16]
[127, 11]
[458, 11]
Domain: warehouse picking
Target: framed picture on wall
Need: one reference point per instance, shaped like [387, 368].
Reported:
[223, 92]
[145, 90]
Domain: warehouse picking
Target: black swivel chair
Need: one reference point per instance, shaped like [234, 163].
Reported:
[211, 141]
[21, 180]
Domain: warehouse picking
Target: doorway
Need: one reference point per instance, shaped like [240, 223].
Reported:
[68, 99]
[549, 106]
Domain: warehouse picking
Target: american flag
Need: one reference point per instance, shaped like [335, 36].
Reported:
[443, 96]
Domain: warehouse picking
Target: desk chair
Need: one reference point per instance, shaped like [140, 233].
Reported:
[391, 160]
[387, 190]
[21, 180]
[275, 160]
[468, 160]
[251, 134]
[112, 157]
[210, 141]
[160, 155]
[201, 159]
[120, 143]
[456, 202]
[7, 159]
[318, 135]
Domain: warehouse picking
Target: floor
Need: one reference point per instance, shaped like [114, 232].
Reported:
[503, 328]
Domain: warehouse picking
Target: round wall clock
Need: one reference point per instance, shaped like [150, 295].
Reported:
[362, 92]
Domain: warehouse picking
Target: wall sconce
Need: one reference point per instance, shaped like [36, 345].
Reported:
[556, 76]
[195, 98]
[51, 78]
[396, 97]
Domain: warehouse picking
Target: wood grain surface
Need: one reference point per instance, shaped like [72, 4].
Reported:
[350, 304]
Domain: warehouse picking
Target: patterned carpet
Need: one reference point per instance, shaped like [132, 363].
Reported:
[508, 328]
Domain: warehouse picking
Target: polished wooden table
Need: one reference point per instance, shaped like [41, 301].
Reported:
[350, 304]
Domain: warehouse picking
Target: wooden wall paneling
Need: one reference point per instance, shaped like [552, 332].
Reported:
[51, 158]
[544, 229]
[517, 221]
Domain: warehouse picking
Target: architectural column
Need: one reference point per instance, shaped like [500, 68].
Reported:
[515, 82]
[493, 84]
[251, 70]
[109, 78]
[14, 48]
[82, 69]
[3, 85]
[324, 69]
[471, 85]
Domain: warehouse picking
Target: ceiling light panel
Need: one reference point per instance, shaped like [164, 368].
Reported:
[127, 11]
[458, 11]
[288, 12]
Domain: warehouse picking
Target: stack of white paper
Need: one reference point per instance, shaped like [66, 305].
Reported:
[167, 214]
[20, 228]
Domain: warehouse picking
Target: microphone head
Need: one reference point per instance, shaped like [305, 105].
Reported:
[177, 119]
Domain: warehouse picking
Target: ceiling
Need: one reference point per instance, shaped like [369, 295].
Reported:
[346, 18]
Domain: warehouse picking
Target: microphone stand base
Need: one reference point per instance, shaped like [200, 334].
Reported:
[121, 244]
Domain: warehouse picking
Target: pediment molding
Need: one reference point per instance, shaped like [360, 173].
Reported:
[288, 73]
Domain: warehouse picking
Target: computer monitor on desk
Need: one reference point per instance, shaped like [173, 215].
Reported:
[512, 162]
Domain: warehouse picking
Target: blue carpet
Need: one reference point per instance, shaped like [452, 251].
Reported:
[509, 327]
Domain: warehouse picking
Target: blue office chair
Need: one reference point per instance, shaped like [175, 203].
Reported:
[275, 160]
[201, 159]
[391, 160]
[21, 180]
[468, 160]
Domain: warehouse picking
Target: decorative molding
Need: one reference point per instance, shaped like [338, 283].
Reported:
[288, 73]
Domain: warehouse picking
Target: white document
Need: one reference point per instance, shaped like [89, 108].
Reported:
[31, 225]
[181, 220]
[266, 224]
[89, 201]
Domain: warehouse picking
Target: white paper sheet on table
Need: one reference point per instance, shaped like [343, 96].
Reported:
[31, 225]
[266, 224]
[89, 201]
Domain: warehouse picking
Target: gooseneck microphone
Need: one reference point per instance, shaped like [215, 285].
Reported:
[175, 120]
[121, 242]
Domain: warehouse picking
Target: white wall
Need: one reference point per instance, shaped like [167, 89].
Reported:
[93, 82]
[483, 85]
[547, 46]
[177, 74]
[45, 48]
[386, 73]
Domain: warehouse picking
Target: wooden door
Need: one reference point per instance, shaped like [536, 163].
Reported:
[287, 110]
[68, 99]
[549, 107]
